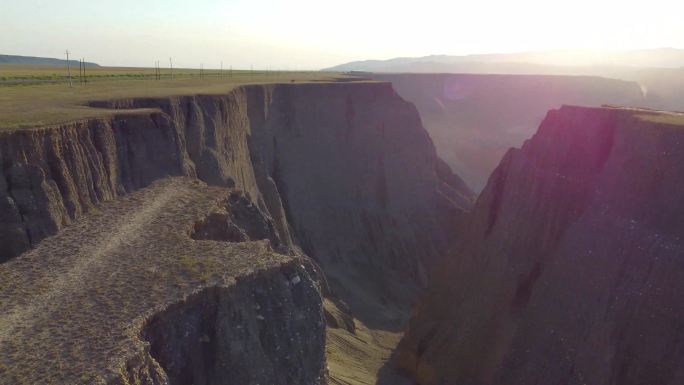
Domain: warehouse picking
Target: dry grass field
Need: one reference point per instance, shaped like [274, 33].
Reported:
[32, 96]
[676, 119]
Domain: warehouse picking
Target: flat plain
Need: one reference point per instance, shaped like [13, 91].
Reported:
[34, 96]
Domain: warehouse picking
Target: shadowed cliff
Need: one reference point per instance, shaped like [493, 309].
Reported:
[570, 266]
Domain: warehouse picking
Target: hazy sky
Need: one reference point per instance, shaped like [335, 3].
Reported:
[310, 34]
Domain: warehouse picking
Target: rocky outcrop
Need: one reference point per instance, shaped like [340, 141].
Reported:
[126, 296]
[266, 330]
[258, 333]
[570, 269]
[474, 119]
[237, 220]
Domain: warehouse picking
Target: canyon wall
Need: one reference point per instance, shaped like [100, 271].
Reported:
[248, 138]
[570, 269]
[474, 119]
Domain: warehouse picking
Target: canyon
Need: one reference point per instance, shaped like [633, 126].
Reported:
[164, 243]
[310, 233]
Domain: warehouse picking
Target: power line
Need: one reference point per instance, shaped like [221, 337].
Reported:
[68, 68]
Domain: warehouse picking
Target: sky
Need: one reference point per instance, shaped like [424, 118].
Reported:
[309, 34]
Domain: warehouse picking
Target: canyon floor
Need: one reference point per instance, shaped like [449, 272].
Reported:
[363, 358]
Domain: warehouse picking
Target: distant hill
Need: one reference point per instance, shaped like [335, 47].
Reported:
[523, 62]
[39, 61]
[660, 72]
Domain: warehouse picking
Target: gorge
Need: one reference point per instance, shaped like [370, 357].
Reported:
[199, 201]
[282, 233]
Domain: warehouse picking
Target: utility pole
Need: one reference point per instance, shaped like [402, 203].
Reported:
[171, 64]
[230, 71]
[85, 80]
[68, 68]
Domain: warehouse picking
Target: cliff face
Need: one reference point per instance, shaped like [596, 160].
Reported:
[267, 330]
[570, 269]
[53, 175]
[474, 119]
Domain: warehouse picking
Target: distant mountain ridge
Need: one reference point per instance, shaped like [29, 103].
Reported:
[40, 61]
[522, 61]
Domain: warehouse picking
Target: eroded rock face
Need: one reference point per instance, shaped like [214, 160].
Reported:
[571, 266]
[258, 333]
[363, 189]
[238, 220]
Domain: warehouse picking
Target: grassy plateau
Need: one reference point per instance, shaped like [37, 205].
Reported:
[32, 96]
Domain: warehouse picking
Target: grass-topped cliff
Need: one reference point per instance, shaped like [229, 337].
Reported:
[33, 96]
